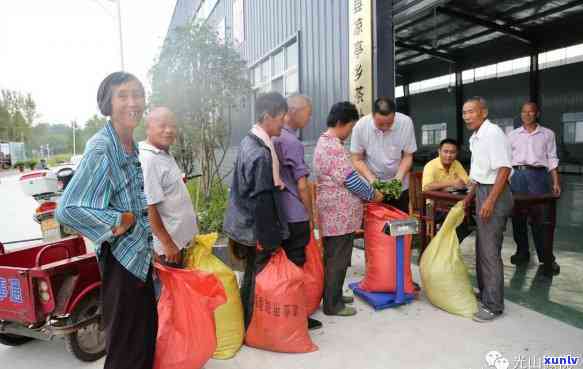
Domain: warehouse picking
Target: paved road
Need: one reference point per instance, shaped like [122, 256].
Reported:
[415, 336]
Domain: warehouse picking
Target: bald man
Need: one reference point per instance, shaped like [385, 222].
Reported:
[170, 209]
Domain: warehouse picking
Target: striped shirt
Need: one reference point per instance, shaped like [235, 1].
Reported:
[107, 183]
[358, 186]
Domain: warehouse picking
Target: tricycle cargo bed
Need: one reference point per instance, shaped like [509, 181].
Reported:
[45, 281]
[45, 253]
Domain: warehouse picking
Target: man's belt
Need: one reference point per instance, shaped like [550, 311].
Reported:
[528, 167]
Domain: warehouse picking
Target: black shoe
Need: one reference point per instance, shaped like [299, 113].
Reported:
[416, 287]
[518, 259]
[314, 324]
[551, 270]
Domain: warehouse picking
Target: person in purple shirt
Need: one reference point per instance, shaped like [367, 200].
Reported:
[294, 173]
[535, 163]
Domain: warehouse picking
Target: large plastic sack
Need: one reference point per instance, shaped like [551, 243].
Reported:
[381, 251]
[313, 275]
[186, 326]
[280, 319]
[228, 317]
[444, 275]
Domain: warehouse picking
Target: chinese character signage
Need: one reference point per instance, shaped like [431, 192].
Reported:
[360, 54]
[11, 290]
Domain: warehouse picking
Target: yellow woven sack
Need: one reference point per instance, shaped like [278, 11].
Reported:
[228, 317]
[444, 275]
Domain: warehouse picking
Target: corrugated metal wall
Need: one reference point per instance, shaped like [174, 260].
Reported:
[323, 41]
[183, 12]
[322, 26]
[561, 92]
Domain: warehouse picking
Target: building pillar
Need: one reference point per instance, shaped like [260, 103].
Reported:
[459, 104]
[405, 107]
[384, 49]
[534, 77]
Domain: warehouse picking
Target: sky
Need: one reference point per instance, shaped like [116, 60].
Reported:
[60, 50]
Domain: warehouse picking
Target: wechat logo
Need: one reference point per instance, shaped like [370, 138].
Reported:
[495, 360]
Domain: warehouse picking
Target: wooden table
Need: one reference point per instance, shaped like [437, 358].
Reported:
[522, 203]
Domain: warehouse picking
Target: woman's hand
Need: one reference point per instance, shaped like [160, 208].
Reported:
[378, 196]
[127, 221]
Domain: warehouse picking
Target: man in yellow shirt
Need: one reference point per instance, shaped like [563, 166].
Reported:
[446, 172]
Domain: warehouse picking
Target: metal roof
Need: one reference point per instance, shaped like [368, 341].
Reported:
[435, 37]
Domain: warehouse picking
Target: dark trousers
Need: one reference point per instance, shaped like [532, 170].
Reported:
[462, 231]
[489, 238]
[295, 245]
[532, 182]
[402, 203]
[337, 255]
[255, 261]
[129, 315]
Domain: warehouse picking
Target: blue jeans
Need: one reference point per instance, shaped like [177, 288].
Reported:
[531, 182]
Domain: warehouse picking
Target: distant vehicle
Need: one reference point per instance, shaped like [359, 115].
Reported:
[11, 153]
[75, 160]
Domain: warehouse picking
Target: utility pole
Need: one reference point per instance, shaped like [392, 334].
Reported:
[120, 33]
[74, 124]
[119, 27]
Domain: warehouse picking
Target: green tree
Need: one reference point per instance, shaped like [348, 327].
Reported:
[17, 115]
[5, 122]
[200, 77]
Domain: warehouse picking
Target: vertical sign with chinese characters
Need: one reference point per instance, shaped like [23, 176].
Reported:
[360, 54]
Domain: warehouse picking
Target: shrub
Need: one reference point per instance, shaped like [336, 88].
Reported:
[210, 210]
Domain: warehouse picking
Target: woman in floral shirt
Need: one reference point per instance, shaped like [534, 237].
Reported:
[340, 192]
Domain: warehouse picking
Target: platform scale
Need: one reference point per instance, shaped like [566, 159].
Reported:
[383, 300]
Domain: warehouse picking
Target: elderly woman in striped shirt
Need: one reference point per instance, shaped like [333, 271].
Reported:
[105, 202]
[340, 192]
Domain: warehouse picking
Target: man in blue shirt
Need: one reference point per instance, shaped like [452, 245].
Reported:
[105, 202]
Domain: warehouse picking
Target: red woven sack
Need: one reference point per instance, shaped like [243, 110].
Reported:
[186, 325]
[381, 251]
[313, 275]
[280, 319]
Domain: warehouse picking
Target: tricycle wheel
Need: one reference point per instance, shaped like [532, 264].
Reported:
[13, 339]
[87, 343]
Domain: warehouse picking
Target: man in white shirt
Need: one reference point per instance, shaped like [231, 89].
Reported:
[382, 147]
[489, 172]
[170, 209]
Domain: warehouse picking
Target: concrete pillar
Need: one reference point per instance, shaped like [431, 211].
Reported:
[384, 49]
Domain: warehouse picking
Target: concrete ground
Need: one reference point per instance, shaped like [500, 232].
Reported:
[412, 336]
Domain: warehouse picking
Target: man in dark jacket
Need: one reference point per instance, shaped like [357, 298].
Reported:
[254, 214]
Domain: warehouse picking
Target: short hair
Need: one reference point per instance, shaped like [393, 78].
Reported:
[292, 100]
[105, 91]
[449, 141]
[384, 106]
[343, 112]
[478, 100]
[272, 103]
[530, 103]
